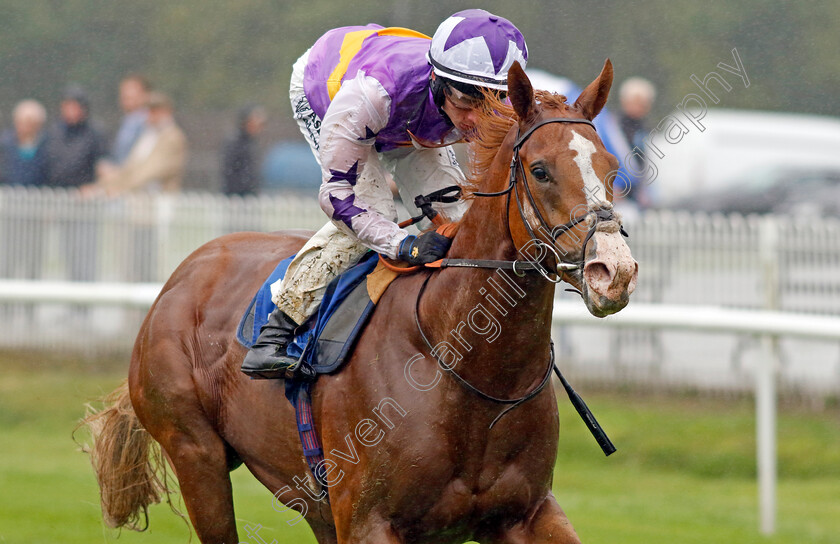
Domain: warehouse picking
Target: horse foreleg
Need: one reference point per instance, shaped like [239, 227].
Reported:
[548, 525]
[198, 457]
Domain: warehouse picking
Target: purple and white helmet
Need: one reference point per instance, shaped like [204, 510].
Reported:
[478, 48]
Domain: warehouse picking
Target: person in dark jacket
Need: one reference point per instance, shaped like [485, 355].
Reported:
[240, 170]
[74, 149]
[74, 146]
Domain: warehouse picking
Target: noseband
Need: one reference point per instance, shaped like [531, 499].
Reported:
[602, 212]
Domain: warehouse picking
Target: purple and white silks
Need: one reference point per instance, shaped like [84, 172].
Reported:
[475, 45]
[383, 100]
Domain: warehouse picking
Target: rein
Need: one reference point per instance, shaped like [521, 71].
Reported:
[513, 403]
[601, 213]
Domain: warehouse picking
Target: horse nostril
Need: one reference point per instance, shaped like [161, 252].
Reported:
[598, 276]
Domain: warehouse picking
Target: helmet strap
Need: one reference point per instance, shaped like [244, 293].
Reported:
[438, 88]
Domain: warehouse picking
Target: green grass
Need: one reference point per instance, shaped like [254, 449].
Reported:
[684, 472]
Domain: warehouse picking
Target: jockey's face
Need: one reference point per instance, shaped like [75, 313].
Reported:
[462, 109]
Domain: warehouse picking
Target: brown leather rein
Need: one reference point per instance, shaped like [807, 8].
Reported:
[601, 213]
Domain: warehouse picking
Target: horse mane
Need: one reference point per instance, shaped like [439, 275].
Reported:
[494, 122]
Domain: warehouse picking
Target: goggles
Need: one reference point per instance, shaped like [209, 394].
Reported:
[463, 100]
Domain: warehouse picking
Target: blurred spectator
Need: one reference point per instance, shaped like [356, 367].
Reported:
[74, 146]
[23, 160]
[636, 95]
[157, 159]
[134, 98]
[240, 171]
[155, 164]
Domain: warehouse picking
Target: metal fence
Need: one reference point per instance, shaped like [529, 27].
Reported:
[771, 263]
[774, 263]
[58, 235]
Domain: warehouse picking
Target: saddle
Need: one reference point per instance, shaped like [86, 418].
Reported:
[327, 339]
[329, 335]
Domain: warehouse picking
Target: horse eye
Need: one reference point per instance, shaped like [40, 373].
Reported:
[539, 174]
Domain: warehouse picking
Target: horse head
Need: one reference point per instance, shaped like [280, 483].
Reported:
[566, 199]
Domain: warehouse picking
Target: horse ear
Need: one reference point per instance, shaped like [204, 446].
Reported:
[521, 93]
[591, 101]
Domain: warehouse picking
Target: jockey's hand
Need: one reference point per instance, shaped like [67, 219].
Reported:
[426, 248]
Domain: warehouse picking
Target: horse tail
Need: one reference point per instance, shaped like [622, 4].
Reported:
[130, 466]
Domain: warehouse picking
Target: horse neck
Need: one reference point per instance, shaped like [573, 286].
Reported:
[504, 319]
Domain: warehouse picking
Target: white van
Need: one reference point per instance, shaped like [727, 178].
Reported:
[736, 143]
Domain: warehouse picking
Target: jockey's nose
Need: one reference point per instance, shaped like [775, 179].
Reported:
[472, 118]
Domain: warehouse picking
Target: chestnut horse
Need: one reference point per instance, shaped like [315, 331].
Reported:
[410, 452]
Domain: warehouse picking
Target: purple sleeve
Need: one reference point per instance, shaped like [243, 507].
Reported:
[359, 110]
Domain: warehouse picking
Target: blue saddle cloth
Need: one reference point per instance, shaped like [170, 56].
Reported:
[324, 341]
[327, 337]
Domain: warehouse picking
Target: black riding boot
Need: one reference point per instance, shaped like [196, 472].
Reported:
[267, 358]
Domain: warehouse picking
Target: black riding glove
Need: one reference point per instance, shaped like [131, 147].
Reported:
[426, 248]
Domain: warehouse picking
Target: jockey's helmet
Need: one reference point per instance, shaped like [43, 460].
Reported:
[477, 48]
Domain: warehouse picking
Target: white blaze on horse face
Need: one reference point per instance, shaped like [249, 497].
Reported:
[592, 185]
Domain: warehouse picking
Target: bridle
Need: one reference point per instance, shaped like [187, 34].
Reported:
[601, 212]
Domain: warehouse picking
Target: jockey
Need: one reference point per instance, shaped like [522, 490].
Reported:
[372, 101]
